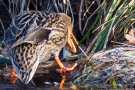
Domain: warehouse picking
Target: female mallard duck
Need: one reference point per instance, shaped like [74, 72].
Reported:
[34, 37]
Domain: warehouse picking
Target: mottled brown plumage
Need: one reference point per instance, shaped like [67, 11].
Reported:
[34, 37]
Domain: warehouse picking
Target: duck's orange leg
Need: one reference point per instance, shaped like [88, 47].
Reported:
[11, 76]
[62, 81]
[62, 67]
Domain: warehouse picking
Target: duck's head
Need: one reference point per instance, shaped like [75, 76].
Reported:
[71, 37]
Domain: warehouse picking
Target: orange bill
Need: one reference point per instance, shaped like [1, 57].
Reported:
[71, 44]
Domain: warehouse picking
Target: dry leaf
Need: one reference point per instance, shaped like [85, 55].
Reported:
[131, 36]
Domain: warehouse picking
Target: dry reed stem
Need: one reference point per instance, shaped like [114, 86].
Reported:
[80, 11]
[2, 26]
[55, 5]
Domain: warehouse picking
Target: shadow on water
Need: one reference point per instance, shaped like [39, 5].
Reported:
[15, 87]
[49, 79]
[44, 79]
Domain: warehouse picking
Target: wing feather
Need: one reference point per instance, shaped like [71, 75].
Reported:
[26, 63]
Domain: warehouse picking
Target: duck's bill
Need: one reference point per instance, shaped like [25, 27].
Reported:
[71, 44]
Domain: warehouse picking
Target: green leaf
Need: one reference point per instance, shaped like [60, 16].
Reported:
[114, 84]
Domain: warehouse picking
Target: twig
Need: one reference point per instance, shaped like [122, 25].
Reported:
[90, 17]
[64, 1]
[13, 12]
[4, 5]
[80, 11]
[48, 5]
[16, 6]
[22, 5]
[111, 26]
[71, 13]
[119, 43]
[104, 24]
[28, 4]
[98, 2]
[2, 26]
[83, 52]
[102, 53]
[55, 5]
[111, 75]
[34, 6]
[89, 8]
[9, 9]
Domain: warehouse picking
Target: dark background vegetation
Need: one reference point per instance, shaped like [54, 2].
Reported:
[9, 11]
[97, 24]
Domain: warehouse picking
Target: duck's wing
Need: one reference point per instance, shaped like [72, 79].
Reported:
[27, 27]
